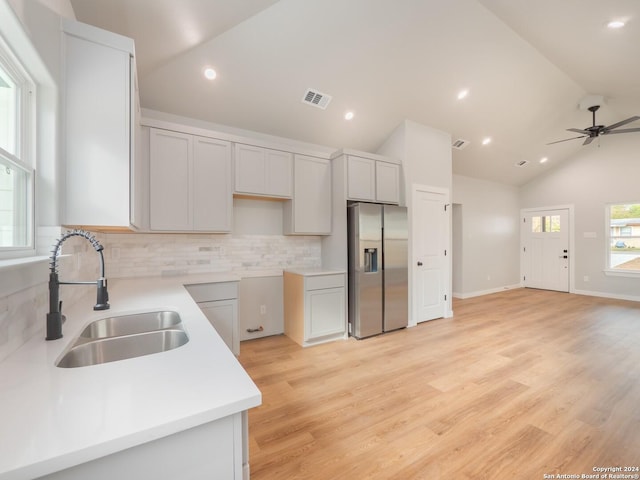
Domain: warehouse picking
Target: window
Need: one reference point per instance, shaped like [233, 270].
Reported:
[16, 156]
[623, 230]
[546, 224]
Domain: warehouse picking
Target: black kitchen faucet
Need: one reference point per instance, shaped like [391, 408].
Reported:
[55, 317]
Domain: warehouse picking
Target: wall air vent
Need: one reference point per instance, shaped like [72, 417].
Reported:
[316, 98]
[460, 144]
[521, 163]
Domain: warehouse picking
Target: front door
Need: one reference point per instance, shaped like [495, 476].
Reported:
[430, 223]
[545, 247]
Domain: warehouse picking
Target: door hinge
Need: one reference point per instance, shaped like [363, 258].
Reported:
[445, 207]
[445, 253]
[524, 249]
[524, 278]
[445, 298]
[524, 220]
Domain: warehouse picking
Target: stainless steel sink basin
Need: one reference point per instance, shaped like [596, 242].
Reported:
[127, 336]
[120, 348]
[130, 324]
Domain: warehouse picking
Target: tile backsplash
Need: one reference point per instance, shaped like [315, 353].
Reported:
[133, 255]
[23, 313]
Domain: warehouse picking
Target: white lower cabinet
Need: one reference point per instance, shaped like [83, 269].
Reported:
[213, 450]
[223, 315]
[314, 306]
[219, 303]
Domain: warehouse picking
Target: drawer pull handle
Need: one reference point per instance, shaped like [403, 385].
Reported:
[253, 330]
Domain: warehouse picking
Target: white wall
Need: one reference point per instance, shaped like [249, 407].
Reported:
[487, 248]
[607, 171]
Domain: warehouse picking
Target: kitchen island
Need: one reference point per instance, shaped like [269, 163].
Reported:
[175, 414]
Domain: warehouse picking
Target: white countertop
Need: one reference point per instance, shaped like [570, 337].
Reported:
[310, 272]
[52, 418]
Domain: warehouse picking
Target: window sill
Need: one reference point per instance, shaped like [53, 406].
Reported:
[20, 273]
[610, 272]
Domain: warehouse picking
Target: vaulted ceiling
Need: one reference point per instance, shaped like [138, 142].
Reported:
[526, 64]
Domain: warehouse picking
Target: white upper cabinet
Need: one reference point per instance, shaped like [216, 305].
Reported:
[372, 180]
[189, 183]
[309, 213]
[361, 178]
[262, 171]
[100, 117]
[387, 182]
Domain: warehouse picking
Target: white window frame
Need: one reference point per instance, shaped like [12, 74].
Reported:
[609, 270]
[24, 157]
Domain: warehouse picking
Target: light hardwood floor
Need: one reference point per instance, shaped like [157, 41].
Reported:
[516, 385]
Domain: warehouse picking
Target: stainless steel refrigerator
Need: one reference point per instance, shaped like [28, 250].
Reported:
[378, 274]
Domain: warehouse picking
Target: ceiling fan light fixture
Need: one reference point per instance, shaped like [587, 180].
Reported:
[615, 24]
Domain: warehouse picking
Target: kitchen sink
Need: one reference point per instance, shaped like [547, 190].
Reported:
[119, 338]
[130, 324]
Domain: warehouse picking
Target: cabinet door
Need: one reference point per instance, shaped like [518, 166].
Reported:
[310, 210]
[325, 312]
[97, 132]
[387, 182]
[212, 185]
[170, 159]
[250, 169]
[278, 173]
[223, 315]
[361, 178]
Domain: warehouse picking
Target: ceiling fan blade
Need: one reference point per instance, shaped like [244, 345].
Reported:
[577, 130]
[624, 130]
[566, 139]
[623, 122]
[589, 140]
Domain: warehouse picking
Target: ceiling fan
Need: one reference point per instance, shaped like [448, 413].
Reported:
[597, 130]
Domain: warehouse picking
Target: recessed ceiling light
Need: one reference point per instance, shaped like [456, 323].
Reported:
[615, 24]
[210, 73]
[544, 160]
[486, 141]
[348, 115]
[462, 94]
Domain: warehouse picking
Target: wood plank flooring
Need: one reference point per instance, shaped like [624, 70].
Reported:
[516, 385]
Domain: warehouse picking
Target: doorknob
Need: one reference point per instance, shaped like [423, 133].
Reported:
[563, 256]
[419, 264]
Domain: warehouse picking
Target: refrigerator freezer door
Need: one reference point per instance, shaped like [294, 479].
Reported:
[395, 260]
[365, 269]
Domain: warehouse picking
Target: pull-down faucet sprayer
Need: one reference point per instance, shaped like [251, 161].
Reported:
[55, 317]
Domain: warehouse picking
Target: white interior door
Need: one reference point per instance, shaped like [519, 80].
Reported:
[430, 241]
[546, 249]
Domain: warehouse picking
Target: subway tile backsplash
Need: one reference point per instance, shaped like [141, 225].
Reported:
[130, 255]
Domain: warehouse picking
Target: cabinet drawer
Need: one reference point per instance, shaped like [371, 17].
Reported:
[211, 292]
[324, 281]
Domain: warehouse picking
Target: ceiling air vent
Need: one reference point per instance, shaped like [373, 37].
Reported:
[521, 163]
[460, 144]
[316, 98]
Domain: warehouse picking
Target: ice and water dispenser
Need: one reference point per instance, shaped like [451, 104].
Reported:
[370, 260]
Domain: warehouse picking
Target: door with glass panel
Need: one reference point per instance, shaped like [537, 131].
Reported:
[546, 256]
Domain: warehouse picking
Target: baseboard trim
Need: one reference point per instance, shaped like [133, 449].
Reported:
[479, 293]
[589, 293]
